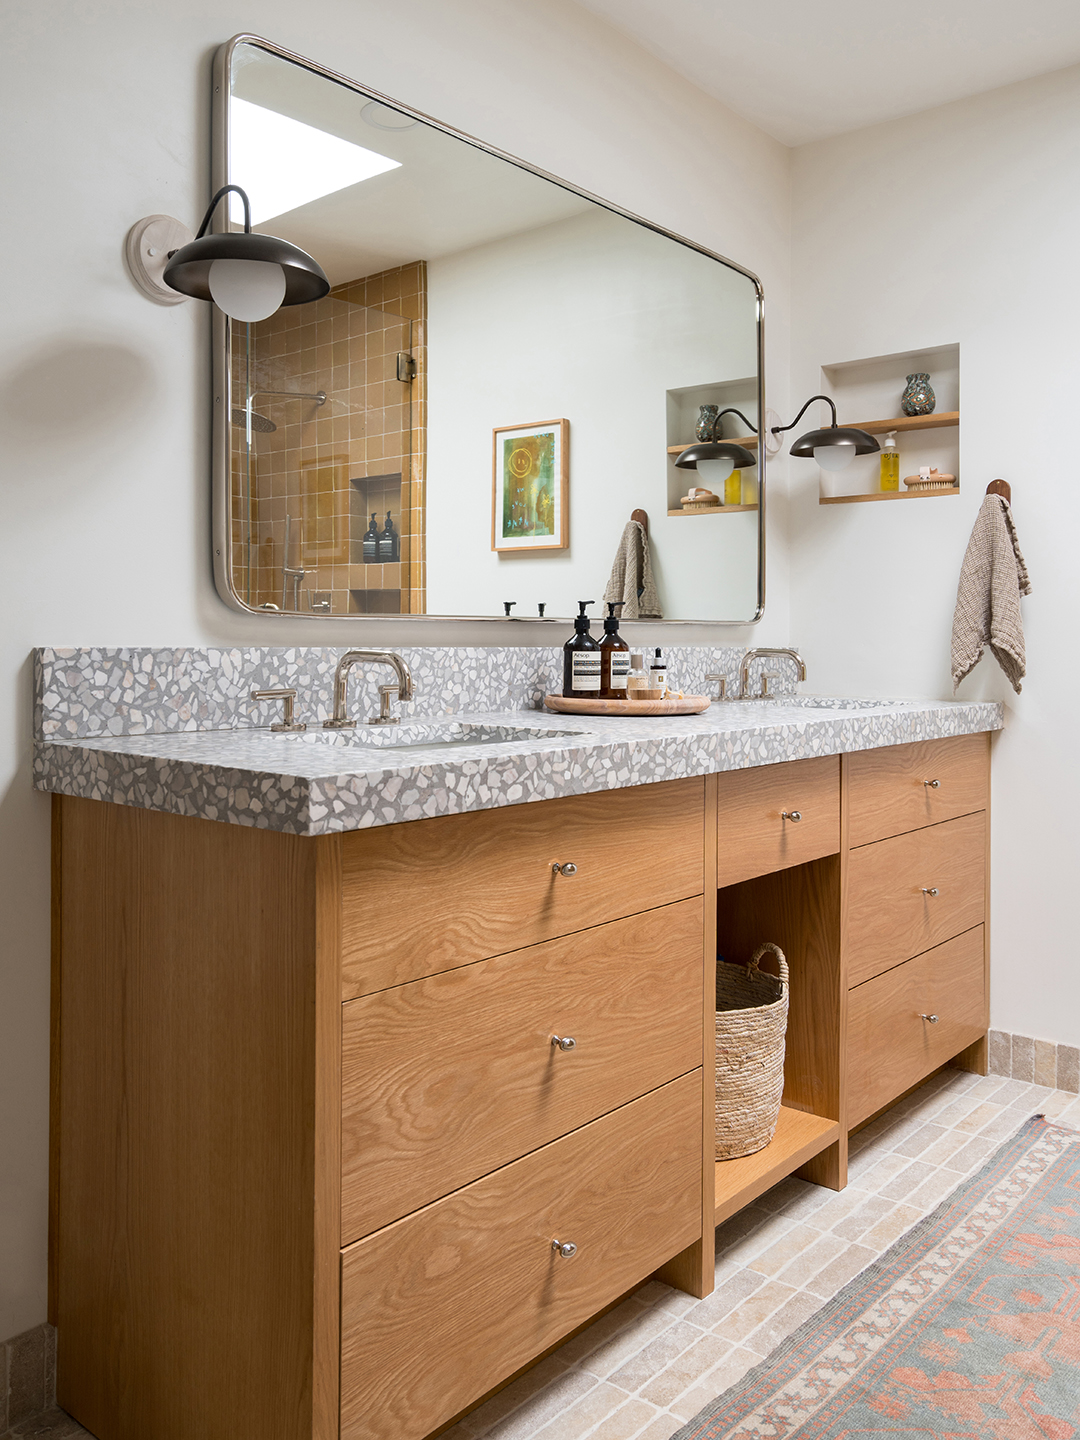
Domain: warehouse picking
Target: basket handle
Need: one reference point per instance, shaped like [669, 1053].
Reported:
[754, 968]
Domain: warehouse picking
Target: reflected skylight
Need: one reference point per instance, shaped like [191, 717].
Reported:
[283, 163]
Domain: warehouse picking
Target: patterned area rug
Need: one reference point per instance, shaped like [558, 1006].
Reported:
[968, 1327]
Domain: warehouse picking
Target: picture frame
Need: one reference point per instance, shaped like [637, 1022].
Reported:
[530, 487]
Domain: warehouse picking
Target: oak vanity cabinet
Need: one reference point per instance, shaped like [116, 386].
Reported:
[348, 1130]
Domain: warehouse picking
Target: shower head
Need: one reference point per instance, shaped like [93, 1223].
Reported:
[259, 423]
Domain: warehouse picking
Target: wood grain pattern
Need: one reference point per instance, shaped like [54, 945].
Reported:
[890, 1048]
[447, 1078]
[435, 894]
[889, 919]
[753, 838]
[799, 1137]
[189, 1131]
[442, 1305]
[888, 795]
[694, 1269]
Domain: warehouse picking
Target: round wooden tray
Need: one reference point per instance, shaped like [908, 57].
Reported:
[687, 705]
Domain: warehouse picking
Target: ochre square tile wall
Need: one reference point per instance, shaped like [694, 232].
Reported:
[306, 480]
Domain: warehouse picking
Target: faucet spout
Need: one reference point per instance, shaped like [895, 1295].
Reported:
[404, 687]
[760, 654]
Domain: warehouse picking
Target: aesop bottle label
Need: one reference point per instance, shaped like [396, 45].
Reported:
[586, 671]
[620, 669]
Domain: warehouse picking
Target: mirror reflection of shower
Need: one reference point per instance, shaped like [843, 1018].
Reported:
[250, 420]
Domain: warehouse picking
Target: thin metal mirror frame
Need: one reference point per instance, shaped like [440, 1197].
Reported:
[222, 358]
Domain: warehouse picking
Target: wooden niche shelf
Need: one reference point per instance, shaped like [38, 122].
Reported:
[799, 1137]
[939, 420]
[715, 510]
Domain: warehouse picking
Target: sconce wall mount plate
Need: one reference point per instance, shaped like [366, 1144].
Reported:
[147, 247]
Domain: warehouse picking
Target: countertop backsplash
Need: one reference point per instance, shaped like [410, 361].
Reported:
[86, 693]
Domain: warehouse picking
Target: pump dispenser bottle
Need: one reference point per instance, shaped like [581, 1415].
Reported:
[614, 657]
[581, 660]
[890, 463]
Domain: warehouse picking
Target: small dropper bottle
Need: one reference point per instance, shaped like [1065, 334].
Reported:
[614, 657]
[890, 463]
[581, 659]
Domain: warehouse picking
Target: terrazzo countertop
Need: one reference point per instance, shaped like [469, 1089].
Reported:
[322, 782]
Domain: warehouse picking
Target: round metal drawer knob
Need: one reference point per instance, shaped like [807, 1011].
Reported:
[932, 784]
[564, 1042]
[795, 815]
[565, 1248]
[933, 1019]
[566, 869]
[931, 890]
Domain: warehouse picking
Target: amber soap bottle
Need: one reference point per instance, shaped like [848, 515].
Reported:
[581, 660]
[614, 658]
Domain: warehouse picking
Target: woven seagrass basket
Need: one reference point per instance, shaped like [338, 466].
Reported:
[751, 1023]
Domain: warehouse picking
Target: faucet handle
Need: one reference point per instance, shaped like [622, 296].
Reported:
[766, 676]
[721, 680]
[387, 695]
[288, 695]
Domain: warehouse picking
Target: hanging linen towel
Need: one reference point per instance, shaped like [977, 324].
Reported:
[992, 579]
[631, 581]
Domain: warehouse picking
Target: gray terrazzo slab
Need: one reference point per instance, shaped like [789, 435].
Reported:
[319, 784]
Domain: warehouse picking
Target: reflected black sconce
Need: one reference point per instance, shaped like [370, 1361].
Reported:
[833, 447]
[247, 275]
[714, 459]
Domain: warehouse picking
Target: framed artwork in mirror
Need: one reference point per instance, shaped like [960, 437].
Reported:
[530, 487]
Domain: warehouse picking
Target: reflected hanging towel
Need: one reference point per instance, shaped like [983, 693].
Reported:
[631, 579]
[992, 579]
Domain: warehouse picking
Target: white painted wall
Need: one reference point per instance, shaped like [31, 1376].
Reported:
[591, 319]
[960, 225]
[104, 397]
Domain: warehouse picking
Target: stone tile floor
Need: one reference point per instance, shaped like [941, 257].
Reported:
[644, 1369]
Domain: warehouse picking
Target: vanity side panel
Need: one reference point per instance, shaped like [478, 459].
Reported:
[427, 896]
[185, 1253]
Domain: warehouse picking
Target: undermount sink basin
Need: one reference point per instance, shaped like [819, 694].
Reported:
[438, 735]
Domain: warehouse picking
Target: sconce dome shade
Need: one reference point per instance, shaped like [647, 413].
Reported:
[863, 442]
[740, 457]
[189, 269]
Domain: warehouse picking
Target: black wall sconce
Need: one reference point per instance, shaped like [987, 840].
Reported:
[247, 275]
[714, 460]
[833, 447]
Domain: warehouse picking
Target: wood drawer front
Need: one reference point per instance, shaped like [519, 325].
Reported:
[755, 839]
[889, 793]
[889, 918]
[430, 895]
[450, 1077]
[890, 1048]
[441, 1306]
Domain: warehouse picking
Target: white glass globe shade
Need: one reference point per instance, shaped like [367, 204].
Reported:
[247, 289]
[835, 457]
[714, 472]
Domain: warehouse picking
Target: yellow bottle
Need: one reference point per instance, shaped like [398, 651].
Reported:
[733, 488]
[890, 463]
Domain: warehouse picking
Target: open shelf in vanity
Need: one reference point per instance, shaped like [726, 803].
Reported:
[799, 1137]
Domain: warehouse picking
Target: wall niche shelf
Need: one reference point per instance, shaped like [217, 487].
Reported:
[939, 420]
[888, 495]
[714, 510]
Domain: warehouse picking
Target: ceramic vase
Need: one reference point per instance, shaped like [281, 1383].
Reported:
[706, 421]
[918, 397]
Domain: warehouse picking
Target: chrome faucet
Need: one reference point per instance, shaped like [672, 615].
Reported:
[744, 671]
[403, 689]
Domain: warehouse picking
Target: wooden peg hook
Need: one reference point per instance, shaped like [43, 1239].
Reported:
[642, 517]
[1002, 488]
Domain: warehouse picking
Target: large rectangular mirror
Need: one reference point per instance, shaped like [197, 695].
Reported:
[503, 374]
